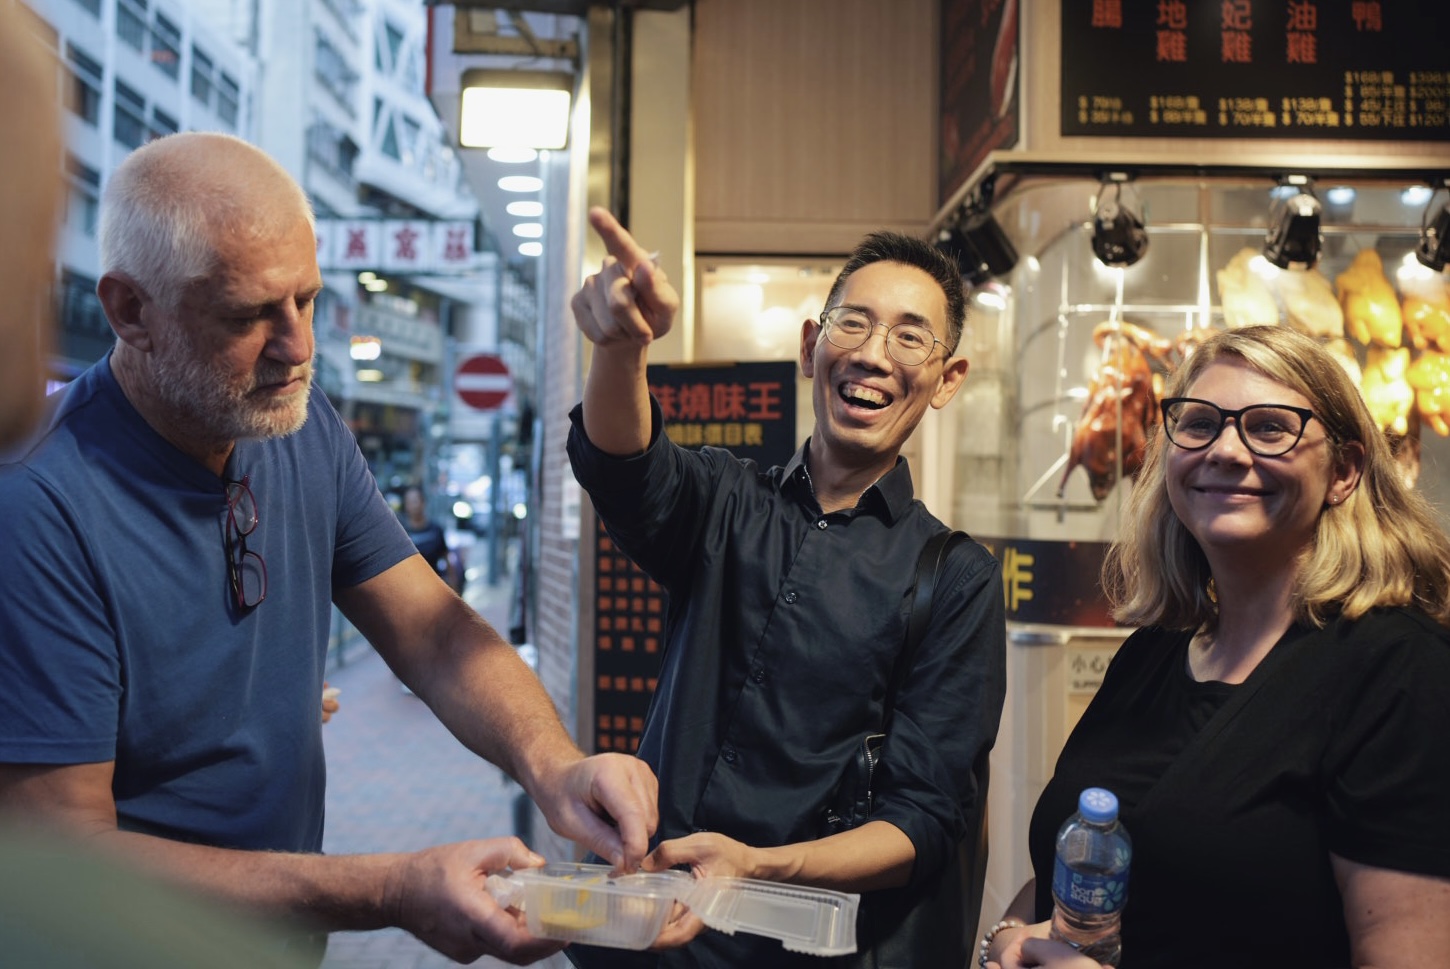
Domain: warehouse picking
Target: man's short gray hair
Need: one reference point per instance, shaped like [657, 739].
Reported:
[158, 217]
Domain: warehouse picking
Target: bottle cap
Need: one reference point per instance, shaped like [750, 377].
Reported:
[1098, 805]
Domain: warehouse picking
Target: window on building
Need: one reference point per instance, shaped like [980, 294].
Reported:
[201, 76]
[411, 130]
[395, 44]
[166, 45]
[389, 144]
[84, 197]
[227, 96]
[92, 7]
[80, 308]
[129, 127]
[131, 23]
[333, 71]
[162, 124]
[83, 86]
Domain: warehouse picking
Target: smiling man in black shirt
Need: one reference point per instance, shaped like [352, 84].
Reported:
[789, 591]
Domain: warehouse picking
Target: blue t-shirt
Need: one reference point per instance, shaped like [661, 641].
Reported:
[120, 638]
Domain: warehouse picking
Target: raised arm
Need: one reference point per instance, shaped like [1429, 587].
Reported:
[621, 309]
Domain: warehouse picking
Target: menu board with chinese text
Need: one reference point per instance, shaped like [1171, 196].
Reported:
[1361, 70]
[747, 408]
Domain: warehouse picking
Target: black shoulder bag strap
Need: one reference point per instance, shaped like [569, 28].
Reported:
[928, 567]
[927, 926]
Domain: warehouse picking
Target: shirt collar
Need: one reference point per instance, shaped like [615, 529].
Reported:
[893, 492]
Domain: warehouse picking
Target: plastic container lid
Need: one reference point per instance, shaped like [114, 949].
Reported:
[815, 921]
[1098, 805]
[585, 903]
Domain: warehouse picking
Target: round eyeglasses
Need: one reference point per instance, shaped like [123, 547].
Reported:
[1267, 430]
[246, 569]
[909, 344]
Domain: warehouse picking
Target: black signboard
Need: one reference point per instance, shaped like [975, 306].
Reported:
[1362, 70]
[747, 408]
[1054, 583]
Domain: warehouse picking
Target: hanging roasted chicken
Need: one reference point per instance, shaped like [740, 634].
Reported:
[1121, 407]
[1387, 389]
[1371, 309]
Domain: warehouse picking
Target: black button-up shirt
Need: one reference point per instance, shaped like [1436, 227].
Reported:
[783, 626]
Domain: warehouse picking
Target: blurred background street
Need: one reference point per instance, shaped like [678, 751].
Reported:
[397, 780]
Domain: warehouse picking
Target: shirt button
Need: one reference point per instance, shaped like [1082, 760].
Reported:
[758, 674]
[821, 524]
[791, 597]
[729, 754]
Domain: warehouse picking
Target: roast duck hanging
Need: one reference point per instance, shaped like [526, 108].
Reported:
[1122, 402]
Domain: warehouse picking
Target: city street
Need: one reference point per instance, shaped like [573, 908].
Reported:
[398, 780]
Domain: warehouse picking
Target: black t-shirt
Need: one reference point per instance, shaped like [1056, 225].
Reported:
[432, 544]
[1342, 745]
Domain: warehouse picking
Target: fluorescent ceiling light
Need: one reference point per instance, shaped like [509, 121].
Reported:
[525, 209]
[520, 183]
[512, 156]
[531, 248]
[1416, 195]
[515, 109]
[529, 230]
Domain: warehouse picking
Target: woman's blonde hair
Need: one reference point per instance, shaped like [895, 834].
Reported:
[1383, 546]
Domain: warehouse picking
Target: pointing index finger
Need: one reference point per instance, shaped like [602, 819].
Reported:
[617, 240]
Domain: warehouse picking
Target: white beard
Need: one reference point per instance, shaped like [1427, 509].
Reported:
[216, 404]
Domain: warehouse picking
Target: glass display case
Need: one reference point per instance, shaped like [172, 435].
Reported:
[1069, 354]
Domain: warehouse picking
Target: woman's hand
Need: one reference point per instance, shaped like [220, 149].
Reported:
[1028, 947]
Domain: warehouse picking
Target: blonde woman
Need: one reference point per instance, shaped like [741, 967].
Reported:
[1275, 730]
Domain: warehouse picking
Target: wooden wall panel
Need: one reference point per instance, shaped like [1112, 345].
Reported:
[814, 122]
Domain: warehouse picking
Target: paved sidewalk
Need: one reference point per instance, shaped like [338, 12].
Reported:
[398, 780]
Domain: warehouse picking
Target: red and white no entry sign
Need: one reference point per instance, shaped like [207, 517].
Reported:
[482, 381]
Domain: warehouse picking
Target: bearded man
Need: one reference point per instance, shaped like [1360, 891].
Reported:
[175, 538]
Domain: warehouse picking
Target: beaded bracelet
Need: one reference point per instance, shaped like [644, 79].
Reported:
[992, 934]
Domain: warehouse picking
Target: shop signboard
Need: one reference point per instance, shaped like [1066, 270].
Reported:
[1373, 70]
[1052, 583]
[979, 86]
[747, 408]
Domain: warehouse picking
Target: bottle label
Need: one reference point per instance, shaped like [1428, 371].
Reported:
[1089, 893]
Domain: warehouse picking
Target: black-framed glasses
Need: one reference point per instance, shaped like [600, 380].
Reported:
[245, 568]
[909, 344]
[1267, 430]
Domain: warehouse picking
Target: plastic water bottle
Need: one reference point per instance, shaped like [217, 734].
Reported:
[1090, 877]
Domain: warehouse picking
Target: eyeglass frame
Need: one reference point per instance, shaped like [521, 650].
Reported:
[827, 325]
[1304, 414]
[237, 550]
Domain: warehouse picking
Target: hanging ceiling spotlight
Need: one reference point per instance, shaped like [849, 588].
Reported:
[990, 242]
[1119, 237]
[953, 241]
[1293, 240]
[1434, 248]
[977, 241]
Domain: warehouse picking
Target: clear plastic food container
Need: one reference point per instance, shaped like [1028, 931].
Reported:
[815, 921]
[584, 903]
